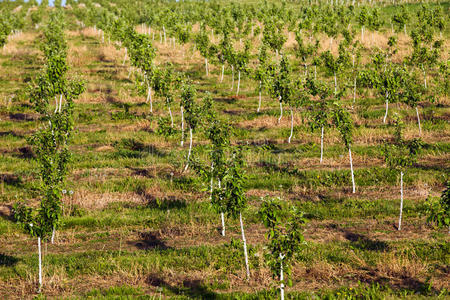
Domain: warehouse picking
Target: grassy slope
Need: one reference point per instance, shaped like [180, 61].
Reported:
[136, 224]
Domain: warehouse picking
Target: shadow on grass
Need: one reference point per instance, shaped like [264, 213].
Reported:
[163, 204]
[7, 260]
[150, 240]
[190, 288]
[12, 180]
[405, 283]
[11, 133]
[364, 243]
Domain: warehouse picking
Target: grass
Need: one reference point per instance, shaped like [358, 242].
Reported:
[137, 227]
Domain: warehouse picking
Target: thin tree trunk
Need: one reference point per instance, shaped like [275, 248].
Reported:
[125, 56]
[281, 109]
[53, 235]
[182, 125]
[151, 101]
[315, 72]
[245, 247]
[321, 145]
[221, 77]
[232, 77]
[259, 103]
[40, 263]
[171, 117]
[164, 30]
[222, 217]
[351, 169]
[149, 95]
[212, 181]
[401, 202]
[354, 90]
[239, 83]
[418, 120]
[387, 108]
[206, 66]
[281, 277]
[190, 149]
[362, 33]
[292, 126]
[424, 77]
[56, 104]
[335, 84]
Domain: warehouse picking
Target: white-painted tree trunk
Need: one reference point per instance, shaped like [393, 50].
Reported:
[171, 117]
[292, 126]
[401, 202]
[53, 235]
[40, 264]
[164, 30]
[239, 83]
[387, 108]
[281, 109]
[418, 120]
[222, 217]
[259, 102]
[223, 70]
[211, 189]
[321, 146]
[206, 66]
[354, 90]
[232, 77]
[125, 57]
[245, 247]
[281, 277]
[335, 83]
[351, 169]
[60, 102]
[182, 126]
[424, 77]
[362, 33]
[149, 95]
[190, 149]
[315, 72]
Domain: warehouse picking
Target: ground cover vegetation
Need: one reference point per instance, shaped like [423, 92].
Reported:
[224, 149]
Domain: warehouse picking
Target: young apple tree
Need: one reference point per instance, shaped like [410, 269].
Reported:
[344, 123]
[400, 155]
[219, 135]
[438, 210]
[320, 115]
[233, 194]
[285, 235]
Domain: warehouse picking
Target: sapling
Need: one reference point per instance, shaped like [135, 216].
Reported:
[399, 155]
[320, 114]
[192, 113]
[233, 195]
[285, 238]
[50, 142]
[219, 135]
[438, 210]
[344, 123]
[165, 83]
[202, 42]
[282, 85]
[241, 60]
